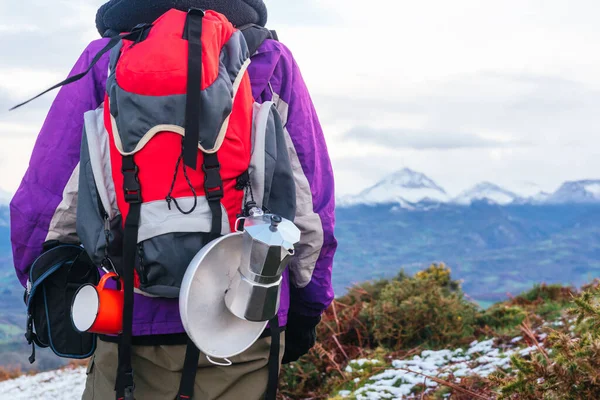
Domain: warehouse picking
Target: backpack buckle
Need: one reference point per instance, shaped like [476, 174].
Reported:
[242, 181]
[131, 185]
[214, 195]
[129, 393]
[133, 197]
[213, 184]
[128, 382]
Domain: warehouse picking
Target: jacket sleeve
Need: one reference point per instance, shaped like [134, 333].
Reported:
[43, 208]
[311, 269]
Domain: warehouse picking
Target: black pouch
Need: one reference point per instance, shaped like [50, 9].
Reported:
[54, 278]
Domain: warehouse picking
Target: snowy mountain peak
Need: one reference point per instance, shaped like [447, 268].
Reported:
[412, 190]
[410, 179]
[486, 191]
[585, 191]
[403, 187]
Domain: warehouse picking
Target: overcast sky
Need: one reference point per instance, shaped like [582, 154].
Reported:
[462, 90]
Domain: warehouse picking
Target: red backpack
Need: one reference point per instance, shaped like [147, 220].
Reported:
[176, 153]
[172, 150]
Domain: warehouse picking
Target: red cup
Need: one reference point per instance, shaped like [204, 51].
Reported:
[97, 309]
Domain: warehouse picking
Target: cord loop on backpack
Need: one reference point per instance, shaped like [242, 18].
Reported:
[170, 198]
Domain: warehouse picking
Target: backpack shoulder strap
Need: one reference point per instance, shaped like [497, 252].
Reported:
[255, 35]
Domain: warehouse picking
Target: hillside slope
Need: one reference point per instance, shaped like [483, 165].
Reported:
[418, 337]
[496, 250]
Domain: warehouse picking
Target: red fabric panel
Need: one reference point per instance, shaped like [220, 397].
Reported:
[158, 67]
[157, 160]
[162, 57]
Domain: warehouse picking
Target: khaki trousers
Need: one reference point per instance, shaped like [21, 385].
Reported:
[157, 373]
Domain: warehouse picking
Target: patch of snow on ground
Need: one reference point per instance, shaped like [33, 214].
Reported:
[399, 381]
[67, 384]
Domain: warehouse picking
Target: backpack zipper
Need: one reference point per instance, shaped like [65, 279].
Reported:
[106, 261]
[141, 268]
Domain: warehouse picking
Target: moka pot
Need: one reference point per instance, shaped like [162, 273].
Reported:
[268, 244]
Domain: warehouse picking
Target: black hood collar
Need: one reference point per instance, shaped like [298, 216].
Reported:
[118, 16]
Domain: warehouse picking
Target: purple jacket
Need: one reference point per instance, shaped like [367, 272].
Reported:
[41, 199]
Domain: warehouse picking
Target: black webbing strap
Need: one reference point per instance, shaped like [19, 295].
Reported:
[188, 375]
[193, 33]
[271, 393]
[135, 34]
[192, 356]
[124, 385]
[32, 338]
[213, 188]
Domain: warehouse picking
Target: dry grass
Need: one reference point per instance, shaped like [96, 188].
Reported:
[7, 372]
[396, 318]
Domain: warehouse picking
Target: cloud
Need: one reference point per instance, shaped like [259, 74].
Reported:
[48, 35]
[484, 109]
[490, 125]
[307, 13]
[424, 140]
[25, 115]
[6, 101]
[60, 50]
[11, 29]
[502, 92]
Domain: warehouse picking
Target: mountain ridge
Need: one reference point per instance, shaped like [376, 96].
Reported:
[582, 191]
[405, 186]
[412, 190]
[486, 191]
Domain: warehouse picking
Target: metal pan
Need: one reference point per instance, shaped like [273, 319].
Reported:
[211, 326]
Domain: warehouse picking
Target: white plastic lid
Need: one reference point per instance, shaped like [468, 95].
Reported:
[85, 308]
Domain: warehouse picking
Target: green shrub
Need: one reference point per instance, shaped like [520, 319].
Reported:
[503, 318]
[570, 369]
[428, 310]
[388, 319]
[555, 292]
